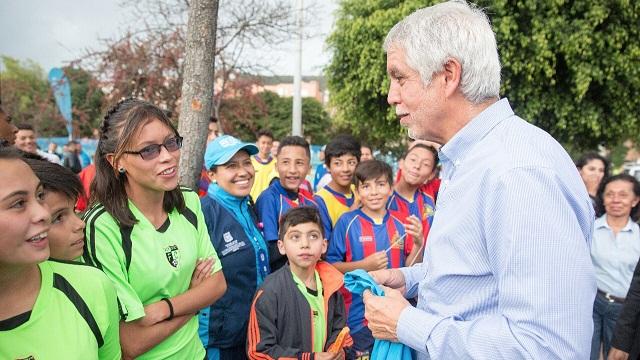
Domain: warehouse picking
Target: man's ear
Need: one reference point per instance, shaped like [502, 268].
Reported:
[452, 76]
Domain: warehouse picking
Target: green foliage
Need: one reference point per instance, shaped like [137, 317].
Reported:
[27, 96]
[570, 67]
[270, 111]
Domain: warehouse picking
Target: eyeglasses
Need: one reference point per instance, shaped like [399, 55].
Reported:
[152, 151]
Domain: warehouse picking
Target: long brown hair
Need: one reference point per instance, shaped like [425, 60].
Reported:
[120, 125]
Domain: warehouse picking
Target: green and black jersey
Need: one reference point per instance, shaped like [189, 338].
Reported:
[147, 264]
[75, 316]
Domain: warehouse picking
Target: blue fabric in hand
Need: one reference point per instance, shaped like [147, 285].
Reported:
[357, 281]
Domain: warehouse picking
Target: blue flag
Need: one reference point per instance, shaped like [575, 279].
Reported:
[62, 93]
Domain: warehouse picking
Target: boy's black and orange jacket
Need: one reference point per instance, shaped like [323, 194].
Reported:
[280, 324]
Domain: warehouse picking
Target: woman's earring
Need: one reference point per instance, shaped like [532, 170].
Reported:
[122, 170]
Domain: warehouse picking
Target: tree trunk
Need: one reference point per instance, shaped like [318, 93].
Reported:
[197, 87]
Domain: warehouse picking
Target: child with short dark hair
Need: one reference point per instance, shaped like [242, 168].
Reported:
[292, 163]
[370, 238]
[263, 162]
[299, 312]
[61, 191]
[409, 197]
[341, 156]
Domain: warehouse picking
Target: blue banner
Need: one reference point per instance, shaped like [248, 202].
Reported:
[62, 93]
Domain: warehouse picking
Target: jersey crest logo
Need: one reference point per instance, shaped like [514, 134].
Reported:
[428, 211]
[173, 255]
[364, 239]
[227, 237]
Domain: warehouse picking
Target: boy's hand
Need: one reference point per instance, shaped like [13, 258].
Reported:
[329, 356]
[202, 271]
[376, 261]
[414, 228]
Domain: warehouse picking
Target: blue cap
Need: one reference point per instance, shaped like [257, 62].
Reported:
[223, 148]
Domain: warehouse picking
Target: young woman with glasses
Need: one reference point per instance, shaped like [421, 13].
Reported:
[149, 235]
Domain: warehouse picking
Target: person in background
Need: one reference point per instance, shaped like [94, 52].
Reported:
[341, 157]
[53, 150]
[234, 231]
[321, 176]
[408, 198]
[8, 130]
[615, 250]
[85, 159]
[26, 141]
[50, 309]
[275, 146]
[71, 158]
[263, 163]
[593, 168]
[366, 153]
[149, 236]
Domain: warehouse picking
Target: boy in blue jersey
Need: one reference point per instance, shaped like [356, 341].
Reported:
[370, 238]
[342, 155]
[293, 161]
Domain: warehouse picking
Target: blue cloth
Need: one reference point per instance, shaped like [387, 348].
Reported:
[615, 256]
[246, 216]
[357, 281]
[507, 272]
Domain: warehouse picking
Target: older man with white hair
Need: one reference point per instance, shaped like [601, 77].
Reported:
[507, 272]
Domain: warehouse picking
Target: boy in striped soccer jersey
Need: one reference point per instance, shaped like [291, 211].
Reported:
[409, 197]
[293, 161]
[342, 155]
[370, 238]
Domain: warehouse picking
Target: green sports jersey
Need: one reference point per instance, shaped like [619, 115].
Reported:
[316, 303]
[147, 264]
[75, 316]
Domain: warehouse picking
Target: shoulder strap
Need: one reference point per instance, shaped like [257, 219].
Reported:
[60, 283]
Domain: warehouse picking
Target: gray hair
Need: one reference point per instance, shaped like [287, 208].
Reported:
[454, 29]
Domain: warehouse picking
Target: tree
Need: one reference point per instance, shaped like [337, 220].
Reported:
[270, 111]
[197, 88]
[27, 97]
[86, 100]
[570, 67]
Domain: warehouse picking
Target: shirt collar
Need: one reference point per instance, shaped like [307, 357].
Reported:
[601, 222]
[284, 192]
[465, 139]
[218, 193]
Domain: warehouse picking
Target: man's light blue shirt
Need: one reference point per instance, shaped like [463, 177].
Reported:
[507, 272]
[615, 257]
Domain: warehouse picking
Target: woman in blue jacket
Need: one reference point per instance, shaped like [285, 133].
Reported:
[235, 234]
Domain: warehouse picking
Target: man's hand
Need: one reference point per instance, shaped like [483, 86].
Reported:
[392, 278]
[202, 271]
[376, 261]
[383, 312]
[617, 354]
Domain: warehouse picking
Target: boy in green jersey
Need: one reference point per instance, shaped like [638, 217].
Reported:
[299, 311]
[61, 191]
[50, 309]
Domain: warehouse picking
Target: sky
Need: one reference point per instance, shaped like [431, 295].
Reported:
[51, 33]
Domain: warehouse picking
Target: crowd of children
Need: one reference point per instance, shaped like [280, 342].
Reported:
[172, 275]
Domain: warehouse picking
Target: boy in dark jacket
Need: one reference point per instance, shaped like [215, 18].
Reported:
[298, 313]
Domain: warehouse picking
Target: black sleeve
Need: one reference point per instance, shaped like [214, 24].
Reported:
[629, 319]
[276, 260]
